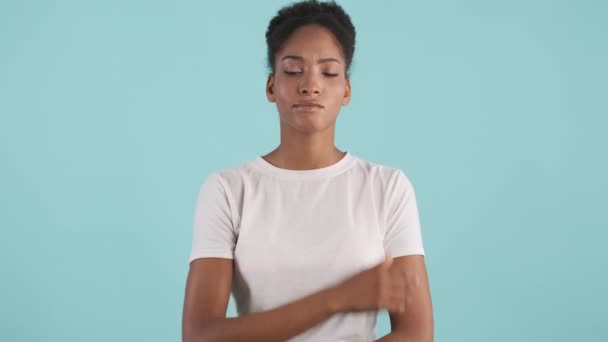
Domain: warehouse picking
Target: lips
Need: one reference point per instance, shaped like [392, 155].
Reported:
[307, 105]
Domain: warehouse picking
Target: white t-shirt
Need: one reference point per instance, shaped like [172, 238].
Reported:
[292, 233]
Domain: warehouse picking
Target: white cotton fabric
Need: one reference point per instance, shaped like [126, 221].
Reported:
[292, 233]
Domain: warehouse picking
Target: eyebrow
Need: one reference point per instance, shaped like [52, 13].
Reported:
[322, 60]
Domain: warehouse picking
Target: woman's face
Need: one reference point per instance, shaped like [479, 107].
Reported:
[309, 84]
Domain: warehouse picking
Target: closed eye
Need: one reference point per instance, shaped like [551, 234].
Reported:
[291, 73]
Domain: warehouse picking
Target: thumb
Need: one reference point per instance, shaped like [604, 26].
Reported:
[388, 259]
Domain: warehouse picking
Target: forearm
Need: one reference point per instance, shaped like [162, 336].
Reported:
[398, 336]
[393, 337]
[278, 324]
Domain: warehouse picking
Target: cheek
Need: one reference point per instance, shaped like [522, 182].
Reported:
[283, 89]
[338, 94]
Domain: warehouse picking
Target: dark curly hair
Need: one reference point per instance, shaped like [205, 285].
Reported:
[330, 15]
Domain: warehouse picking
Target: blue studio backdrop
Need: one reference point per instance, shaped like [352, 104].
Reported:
[112, 113]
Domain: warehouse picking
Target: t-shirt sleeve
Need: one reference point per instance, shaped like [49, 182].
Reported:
[213, 233]
[403, 235]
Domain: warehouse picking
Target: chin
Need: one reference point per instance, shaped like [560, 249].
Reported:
[308, 124]
[311, 127]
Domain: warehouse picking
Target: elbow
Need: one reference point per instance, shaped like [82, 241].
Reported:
[191, 333]
[199, 331]
[425, 335]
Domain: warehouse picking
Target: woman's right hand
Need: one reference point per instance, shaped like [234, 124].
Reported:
[377, 288]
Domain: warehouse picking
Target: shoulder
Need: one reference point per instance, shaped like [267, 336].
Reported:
[386, 174]
[231, 177]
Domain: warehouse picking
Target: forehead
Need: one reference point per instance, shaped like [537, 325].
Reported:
[312, 42]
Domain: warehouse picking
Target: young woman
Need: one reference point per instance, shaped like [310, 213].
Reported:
[311, 241]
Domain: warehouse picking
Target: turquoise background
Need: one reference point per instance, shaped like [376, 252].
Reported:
[113, 113]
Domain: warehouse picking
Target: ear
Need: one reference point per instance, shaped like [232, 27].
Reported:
[270, 88]
[347, 92]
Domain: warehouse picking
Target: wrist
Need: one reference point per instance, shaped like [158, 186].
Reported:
[335, 300]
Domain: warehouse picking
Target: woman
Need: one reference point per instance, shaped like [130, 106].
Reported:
[312, 241]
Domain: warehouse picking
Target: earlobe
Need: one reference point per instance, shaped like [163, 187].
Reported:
[346, 98]
[270, 88]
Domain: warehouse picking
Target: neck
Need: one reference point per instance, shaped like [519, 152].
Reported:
[305, 151]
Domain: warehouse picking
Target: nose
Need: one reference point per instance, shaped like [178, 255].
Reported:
[310, 84]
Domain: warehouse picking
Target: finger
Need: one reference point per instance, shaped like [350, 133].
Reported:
[398, 294]
[398, 281]
[398, 291]
[396, 306]
[388, 260]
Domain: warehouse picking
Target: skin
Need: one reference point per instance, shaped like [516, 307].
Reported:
[399, 284]
[309, 67]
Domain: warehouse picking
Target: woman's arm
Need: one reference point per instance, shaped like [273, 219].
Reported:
[415, 324]
[208, 291]
[206, 299]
